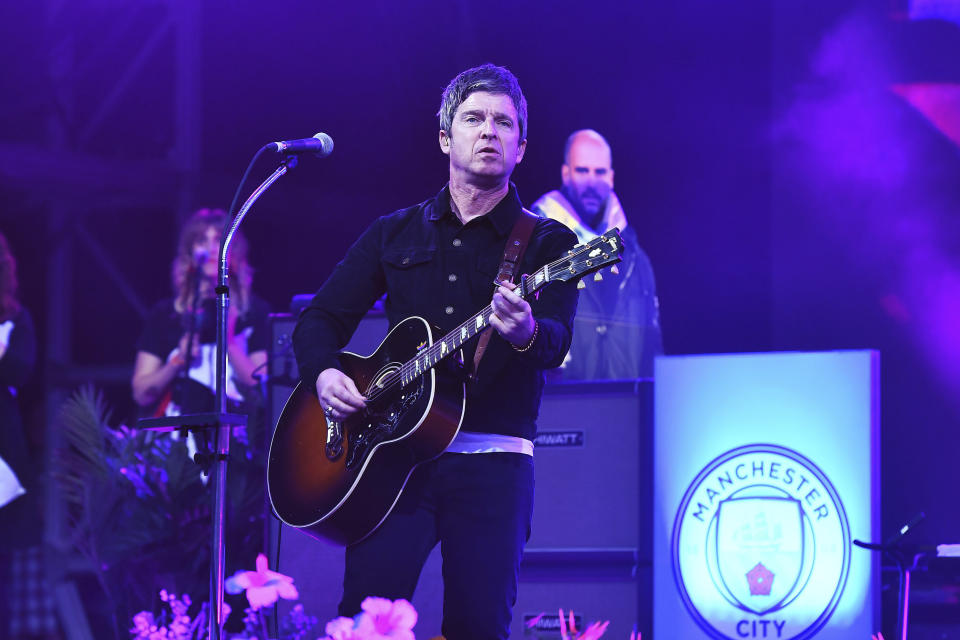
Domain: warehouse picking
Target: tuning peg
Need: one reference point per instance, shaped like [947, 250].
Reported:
[597, 277]
[581, 284]
[614, 270]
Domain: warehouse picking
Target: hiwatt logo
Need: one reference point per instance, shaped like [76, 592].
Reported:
[761, 545]
[559, 439]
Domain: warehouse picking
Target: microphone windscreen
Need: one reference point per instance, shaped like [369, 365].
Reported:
[326, 143]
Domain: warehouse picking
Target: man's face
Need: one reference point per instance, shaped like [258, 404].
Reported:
[588, 178]
[484, 139]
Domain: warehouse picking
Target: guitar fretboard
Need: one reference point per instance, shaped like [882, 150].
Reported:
[430, 356]
[582, 259]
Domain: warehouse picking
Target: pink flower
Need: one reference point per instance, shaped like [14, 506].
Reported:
[225, 613]
[263, 587]
[142, 622]
[592, 632]
[340, 629]
[382, 618]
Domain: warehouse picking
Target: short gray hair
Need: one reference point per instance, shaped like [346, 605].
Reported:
[486, 77]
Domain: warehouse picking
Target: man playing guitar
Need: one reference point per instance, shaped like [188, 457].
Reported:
[439, 260]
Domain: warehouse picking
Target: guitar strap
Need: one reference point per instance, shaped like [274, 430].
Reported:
[512, 255]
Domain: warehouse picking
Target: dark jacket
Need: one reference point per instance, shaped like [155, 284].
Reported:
[432, 266]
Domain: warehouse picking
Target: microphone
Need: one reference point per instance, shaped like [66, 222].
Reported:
[200, 255]
[321, 145]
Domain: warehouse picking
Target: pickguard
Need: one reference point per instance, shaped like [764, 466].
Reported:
[383, 420]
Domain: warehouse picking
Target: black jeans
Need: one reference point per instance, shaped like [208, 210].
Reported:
[478, 506]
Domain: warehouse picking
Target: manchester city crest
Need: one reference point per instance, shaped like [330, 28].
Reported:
[761, 545]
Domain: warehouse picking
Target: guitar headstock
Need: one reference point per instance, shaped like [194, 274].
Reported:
[589, 257]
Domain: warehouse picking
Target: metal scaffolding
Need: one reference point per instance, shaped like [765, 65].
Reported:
[97, 59]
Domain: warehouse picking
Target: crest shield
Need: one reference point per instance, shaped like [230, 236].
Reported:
[759, 550]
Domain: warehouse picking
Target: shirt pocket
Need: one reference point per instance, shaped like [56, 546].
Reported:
[486, 267]
[407, 273]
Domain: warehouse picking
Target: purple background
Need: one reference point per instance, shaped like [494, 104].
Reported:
[787, 196]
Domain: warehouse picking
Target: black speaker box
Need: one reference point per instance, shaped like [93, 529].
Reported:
[590, 546]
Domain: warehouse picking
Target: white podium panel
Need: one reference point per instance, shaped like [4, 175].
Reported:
[765, 470]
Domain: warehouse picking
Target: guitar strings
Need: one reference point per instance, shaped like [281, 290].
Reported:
[390, 382]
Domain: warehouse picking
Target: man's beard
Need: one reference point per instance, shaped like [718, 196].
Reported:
[592, 219]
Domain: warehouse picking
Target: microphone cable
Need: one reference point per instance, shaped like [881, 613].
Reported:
[231, 212]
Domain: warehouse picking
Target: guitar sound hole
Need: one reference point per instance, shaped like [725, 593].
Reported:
[381, 421]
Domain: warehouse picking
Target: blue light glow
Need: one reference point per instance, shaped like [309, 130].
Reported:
[765, 469]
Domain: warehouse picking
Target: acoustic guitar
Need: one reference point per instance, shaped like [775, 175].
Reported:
[338, 481]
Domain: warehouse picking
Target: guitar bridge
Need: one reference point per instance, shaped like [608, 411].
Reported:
[334, 448]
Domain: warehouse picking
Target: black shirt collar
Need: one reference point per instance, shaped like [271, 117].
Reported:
[502, 217]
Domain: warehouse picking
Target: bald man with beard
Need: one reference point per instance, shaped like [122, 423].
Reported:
[617, 326]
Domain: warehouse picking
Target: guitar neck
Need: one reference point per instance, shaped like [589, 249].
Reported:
[583, 259]
[434, 354]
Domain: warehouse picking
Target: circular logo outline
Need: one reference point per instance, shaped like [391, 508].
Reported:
[709, 468]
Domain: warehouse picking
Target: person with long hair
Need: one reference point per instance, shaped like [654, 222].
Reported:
[28, 597]
[175, 365]
[175, 372]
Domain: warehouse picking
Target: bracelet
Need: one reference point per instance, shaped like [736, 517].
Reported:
[526, 347]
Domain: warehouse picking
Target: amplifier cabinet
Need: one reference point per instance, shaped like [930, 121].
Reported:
[590, 545]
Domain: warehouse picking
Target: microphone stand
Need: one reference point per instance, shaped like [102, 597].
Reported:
[219, 420]
[223, 428]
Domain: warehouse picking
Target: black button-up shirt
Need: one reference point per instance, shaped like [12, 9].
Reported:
[431, 265]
